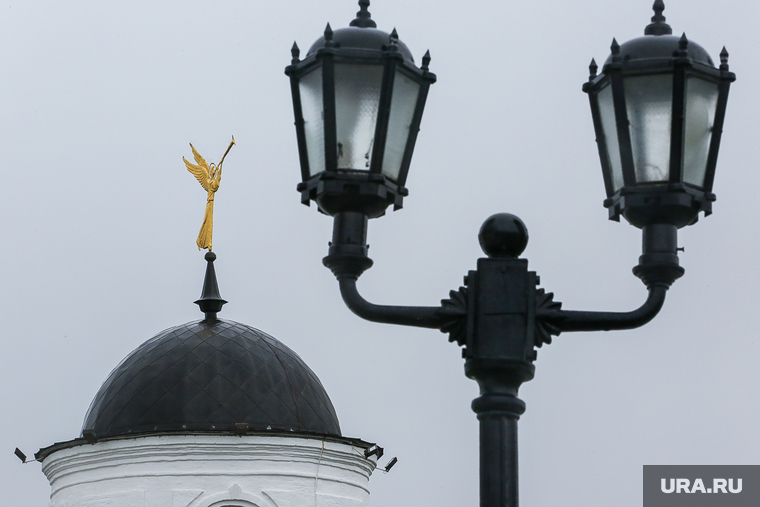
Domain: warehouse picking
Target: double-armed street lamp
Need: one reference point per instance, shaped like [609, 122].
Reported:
[657, 107]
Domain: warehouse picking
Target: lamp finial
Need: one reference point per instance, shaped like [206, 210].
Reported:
[724, 59]
[658, 25]
[393, 40]
[363, 17]
[295, 52]
[615, 47]
[426, 61]
[683, 44]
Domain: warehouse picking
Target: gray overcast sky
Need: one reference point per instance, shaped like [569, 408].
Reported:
[98, 101]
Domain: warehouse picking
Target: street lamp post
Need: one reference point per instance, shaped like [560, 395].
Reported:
[657, 107]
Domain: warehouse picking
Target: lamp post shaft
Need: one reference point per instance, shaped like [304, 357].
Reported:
[498, 457]
[499, 352]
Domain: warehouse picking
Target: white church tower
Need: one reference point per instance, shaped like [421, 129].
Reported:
[211, 413]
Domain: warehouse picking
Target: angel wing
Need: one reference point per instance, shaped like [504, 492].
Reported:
[200, 171]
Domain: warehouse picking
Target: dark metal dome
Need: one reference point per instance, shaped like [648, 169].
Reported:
[659, 43]
[211, 375]
[362, 39]
[362, 36]
[660, 47]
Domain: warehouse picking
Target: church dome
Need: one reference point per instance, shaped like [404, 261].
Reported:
[210, 376]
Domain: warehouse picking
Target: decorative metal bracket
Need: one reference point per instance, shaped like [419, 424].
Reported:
[547, 313]
[454, 311]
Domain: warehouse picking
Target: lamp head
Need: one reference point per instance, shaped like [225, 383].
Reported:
[358, 99]
[658, 108]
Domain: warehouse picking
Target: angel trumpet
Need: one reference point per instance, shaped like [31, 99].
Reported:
[232, 143]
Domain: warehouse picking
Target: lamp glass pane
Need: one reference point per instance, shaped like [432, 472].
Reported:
[701, 103]
[403, 103]
[649, 103]
[357, 99]
[310, 86]
[609, 126]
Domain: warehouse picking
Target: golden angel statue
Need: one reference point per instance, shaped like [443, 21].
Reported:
[209, 178]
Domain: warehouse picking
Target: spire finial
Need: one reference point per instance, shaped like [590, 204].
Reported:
[295, 52]
[658, 25]
[615, 50]
[592, 68]
[683, 44]
[426, 61]
[210, 302]
[724, 59]
[363, 17]
[393, 39]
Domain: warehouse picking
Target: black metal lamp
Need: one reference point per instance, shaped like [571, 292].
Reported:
[358, 100]
[658, 109]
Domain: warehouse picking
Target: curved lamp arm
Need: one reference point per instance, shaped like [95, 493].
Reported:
[419, 316]
[658, 268]
[348, 259]
[568, 320]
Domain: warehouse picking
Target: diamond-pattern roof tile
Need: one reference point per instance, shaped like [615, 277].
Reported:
[208, 376]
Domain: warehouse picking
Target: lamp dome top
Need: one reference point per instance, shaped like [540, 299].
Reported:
[658, 42]
[658, 47]
[362, 34]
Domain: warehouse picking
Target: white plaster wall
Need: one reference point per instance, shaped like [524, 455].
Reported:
[210, 471]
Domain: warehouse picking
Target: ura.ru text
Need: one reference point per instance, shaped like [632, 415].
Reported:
[698, 486]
